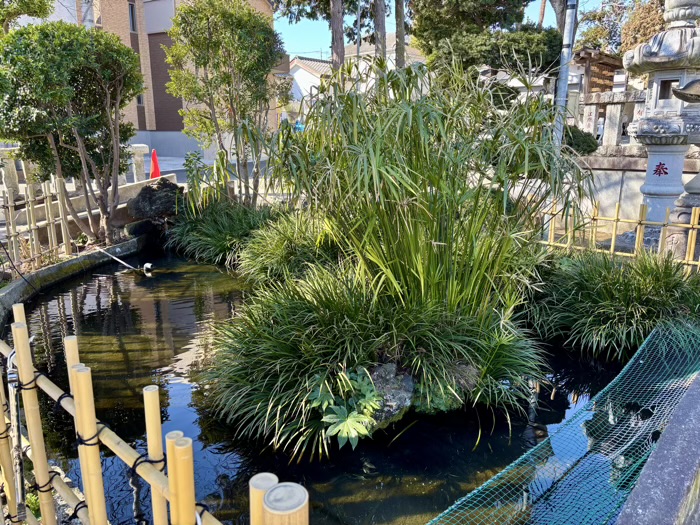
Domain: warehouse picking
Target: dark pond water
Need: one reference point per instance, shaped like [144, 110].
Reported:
[134, 331]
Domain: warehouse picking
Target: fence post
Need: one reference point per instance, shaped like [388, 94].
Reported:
[692, 239]
[65, 232]
[594, 226]
[286, 504]
[257, 487]
[34, 244]
[616, 222]
[86, 424]
[70, 347]
[25, 368]
[50, 218]
[639, 236]
[14, 243]
[154, 438]
[170, 439]
[186, 502]
[6, 458]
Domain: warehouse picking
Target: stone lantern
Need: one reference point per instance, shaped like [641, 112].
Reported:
[671, 120]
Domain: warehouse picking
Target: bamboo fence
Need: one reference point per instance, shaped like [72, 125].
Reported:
[271, 502]
[599, 233]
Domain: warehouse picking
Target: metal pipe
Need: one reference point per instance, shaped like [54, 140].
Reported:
[563, 81]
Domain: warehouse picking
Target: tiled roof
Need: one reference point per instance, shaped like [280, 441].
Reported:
[412, 54]
[313, 65]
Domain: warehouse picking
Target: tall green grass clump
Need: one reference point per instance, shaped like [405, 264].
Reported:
[210, 227]
[607, 306]
[286, 247]
[433, 194]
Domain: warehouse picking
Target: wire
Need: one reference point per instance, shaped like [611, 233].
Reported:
[16, 269]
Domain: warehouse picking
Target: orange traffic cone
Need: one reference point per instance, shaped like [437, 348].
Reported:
[155, 167]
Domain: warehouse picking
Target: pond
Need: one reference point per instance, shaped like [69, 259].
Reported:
[134, 331]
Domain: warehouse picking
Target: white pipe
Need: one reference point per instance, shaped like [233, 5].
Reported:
[563, 82]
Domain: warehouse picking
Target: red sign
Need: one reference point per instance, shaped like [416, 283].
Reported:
[660, 170]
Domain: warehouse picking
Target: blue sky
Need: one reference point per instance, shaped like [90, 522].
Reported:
[313, 38]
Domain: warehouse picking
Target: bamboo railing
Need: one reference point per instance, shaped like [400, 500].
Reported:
[271, 502]
[600, 233]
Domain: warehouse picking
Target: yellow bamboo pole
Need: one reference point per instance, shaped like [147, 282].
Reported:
[67, 493]
[286, 504]
[552, 223]
[18, 313]
[154, 438]
[50, 219]
[8, 473]
[664, 231]
[86, 424]
[594, 226]
[616, 221]
[32, 416]
[639, 237]
[257, 487]
[186, 502]
[63, 213]
[153, 476]
[170, 439]
[14, 242]
[34, 244]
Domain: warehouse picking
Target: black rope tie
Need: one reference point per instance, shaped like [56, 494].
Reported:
[13, 518]
[80, 506]
[141, 519]
[32, 384]
[92, 441]
[57, 407]
[46, 487]
[143, 458]
[204, 507]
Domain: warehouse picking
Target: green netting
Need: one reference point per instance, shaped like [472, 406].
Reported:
[582, 473]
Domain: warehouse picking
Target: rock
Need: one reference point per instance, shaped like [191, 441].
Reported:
[156, 199]
[396, 392]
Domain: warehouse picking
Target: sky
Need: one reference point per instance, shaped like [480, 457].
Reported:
[313, 38]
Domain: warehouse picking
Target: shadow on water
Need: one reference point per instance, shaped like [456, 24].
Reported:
[134, 331]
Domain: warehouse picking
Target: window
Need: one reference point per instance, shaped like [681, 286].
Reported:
[139, 100]
[665, 87]
[97, 12]
[132, 17]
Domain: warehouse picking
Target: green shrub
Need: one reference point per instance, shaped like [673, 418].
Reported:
[580, 141]
[290, 369]
[215, 235]
[607, 306]
[284, 248]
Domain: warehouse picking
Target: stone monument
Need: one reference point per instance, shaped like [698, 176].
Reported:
[671, 121]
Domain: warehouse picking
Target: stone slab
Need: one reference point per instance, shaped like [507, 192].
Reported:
[666, 490]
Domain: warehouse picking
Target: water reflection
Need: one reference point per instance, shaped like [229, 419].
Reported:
[134, 331]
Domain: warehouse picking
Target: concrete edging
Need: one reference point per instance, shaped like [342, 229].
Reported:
[667, 490]
[20, 291]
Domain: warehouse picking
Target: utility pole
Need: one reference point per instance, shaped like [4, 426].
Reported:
[359, 40]
[88, 14]
[563, 81]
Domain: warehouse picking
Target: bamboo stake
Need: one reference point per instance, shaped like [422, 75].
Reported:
[257, 487]
[14, 242]
[63, 213]
[594, 226]
[67, 493]
[50, 218]
[664, 232]
[86, 424]
[154, 477]
[18, 313]
[692, 239]
[33, 418]
[570, 224]
[639, 237]
[286, 504]
[70, 348]
[6, 457]
[170, 439]
[186, 502]
[154, 438]
[34, 244]
[552, 223]
[616, 221]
